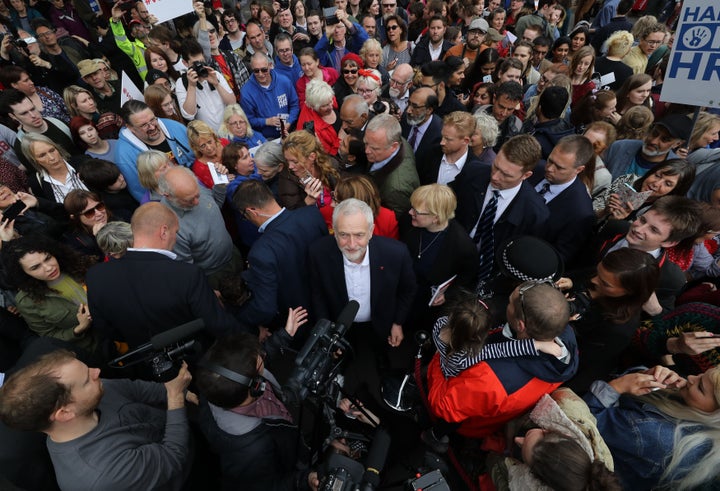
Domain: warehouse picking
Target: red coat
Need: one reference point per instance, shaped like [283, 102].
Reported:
[487, 395]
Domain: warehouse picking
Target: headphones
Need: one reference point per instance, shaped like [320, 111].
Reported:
[255, 385]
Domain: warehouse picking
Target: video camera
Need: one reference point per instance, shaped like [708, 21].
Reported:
[319, 360]
[165, 351]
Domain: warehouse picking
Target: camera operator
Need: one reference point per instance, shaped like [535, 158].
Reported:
[245, 421]
[102, 434]
[202, 93]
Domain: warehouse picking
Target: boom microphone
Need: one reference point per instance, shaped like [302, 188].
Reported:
[166, 338]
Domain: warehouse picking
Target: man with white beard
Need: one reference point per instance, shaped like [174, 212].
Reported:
[421, 127]
[638, 156]
[399, 87]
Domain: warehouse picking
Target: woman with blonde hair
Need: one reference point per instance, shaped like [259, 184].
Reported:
[675, 423]
[236, 127]
[369, 85]
[372, 55]
[440, 249]
[363, 188]
[320, 112]
[310, 176]
[54, 177]
[207, 147]
[152, 164]
[162, 103]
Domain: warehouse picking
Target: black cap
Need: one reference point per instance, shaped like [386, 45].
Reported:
[153, 75]
[678, 125]
[528, 258]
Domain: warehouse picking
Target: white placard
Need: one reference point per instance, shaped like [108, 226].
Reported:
[166, 10]
[129, 90]
[693, 73]
[217, 178]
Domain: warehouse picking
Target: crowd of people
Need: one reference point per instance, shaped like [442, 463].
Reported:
[499, 175]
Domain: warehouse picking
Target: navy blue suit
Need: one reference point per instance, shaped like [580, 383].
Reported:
[145, 293]
[571, 220]
[526, 215]
[277, 272]
[428, 149]
[392, 282]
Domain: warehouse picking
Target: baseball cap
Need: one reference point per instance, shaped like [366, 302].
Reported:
[494, 35]
[479, 24]
[678, 125]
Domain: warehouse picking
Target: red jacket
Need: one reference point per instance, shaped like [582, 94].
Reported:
[487, 395]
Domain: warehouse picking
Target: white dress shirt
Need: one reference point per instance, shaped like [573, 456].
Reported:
[357, 282]
[449, 171]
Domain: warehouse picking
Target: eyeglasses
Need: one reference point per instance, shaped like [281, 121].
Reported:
[211, 30]
[476, 32]
[416, 106]
[365, 91]
[90, 212]
[285, 50]
[398, 83]
[148, 125]
[44, 34]
[263, 70]
[526, 288]
[414, 211]
[653, 43]
[393, 27]
[236, 123]
[348, 71]
[388, 5]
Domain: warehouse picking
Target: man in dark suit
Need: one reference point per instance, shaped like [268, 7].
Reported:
[146, 291]
[377, 272]
[421, 127]
[277, 272]
[433, 45]
[571, 213]
[519, 210]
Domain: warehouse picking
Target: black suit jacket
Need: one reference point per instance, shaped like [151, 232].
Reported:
[526, 215]
[571, 221]
[421, 54]
[392, 282]
[145, 293]
[277, 270]
[428, 149]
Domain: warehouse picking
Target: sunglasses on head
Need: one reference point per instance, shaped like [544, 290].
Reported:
[91, 212]
[263, 70]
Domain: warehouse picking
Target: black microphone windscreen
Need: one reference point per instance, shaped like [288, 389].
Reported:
[166, 338]
[347, 316]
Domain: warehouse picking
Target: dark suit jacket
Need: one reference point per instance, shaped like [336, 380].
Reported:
[277, 270]
[526, 215]
[428, 148]
[392, 282]
[571, 221]
[421, 54]
[145, 293]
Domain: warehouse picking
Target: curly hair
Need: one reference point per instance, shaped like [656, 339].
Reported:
[71, 263]
[302, 144]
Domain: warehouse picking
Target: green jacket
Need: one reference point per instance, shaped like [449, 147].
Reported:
[397, 180]
[55, 317]
[134, 49]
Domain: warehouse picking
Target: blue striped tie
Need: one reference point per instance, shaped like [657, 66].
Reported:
[485, 236]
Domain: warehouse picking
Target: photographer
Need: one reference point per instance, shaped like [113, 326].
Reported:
[245, 421]
[202, 93]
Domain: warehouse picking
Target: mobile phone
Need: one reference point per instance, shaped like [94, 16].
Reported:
[12, 211]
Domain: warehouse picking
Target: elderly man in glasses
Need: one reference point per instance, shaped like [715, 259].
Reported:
[269, 99]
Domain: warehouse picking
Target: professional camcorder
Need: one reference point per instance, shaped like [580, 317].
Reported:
[165, 351]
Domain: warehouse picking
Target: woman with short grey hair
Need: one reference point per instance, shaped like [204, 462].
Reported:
[319, 115]
[484, 138]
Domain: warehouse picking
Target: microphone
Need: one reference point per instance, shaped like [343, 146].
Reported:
[375, 461]
[347, 317]
[171, 336]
